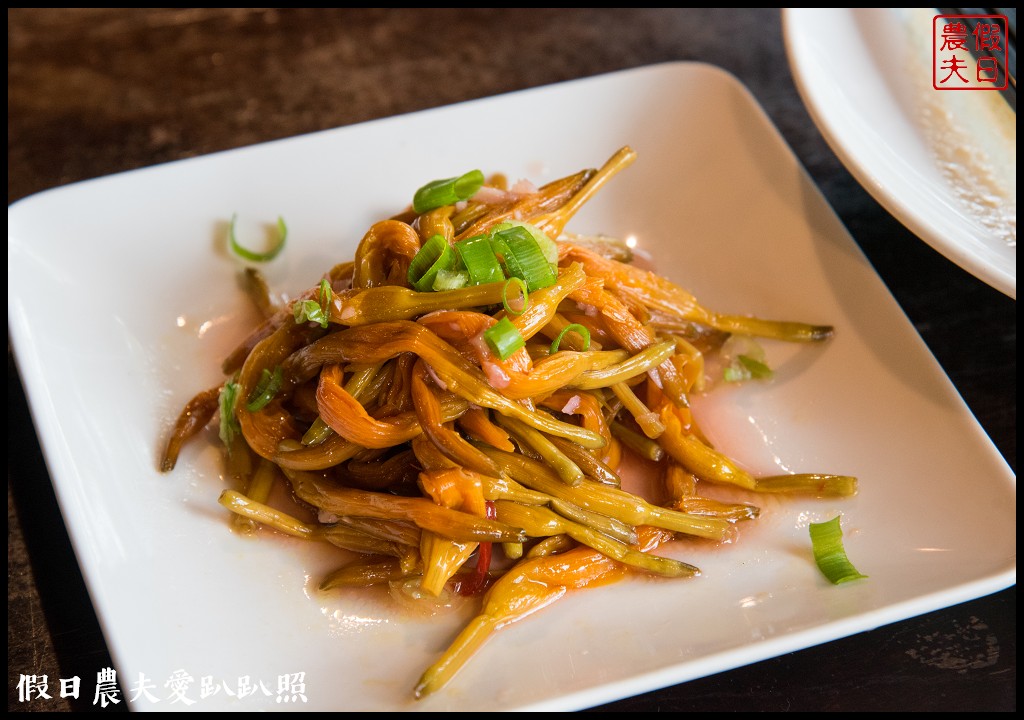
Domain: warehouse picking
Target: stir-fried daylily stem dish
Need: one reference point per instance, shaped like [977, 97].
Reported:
[452, 405]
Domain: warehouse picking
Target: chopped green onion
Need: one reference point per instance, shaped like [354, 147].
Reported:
[326, 295]
[515, 249]
[504, 296]
[547, 246]
[504, 338]
[479, 260]
[509, 262]
[524, 258]
[447, 192]
[744, 359]
[829, 554]
[435, 255]
[313, 311]
[745, 367]
[282, 235]
[265, 390]
[309, 311]
[576, 328]
[450, 280]
[757, 369]
[228, 422]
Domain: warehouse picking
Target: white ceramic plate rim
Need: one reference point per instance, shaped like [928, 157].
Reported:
[174, 590]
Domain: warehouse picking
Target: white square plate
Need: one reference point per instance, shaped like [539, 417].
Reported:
[120, 306]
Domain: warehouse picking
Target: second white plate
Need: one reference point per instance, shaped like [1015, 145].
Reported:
[944, 163]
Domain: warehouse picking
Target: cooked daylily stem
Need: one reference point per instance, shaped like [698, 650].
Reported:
[505, 488]
[619, 504]
[477, 422]
[542, 445]
[513, 551]
[442, 558]
[638, 443]
[450, 443]
[260, 485]
[647, 420]
[680, 484]
[318, 432]
[361, 384]
[703, 461]
[395, 531]
[634, 365]
[238, 503]
[530, 585]
[347, 538]
[391, 431]
[383, 341]
[387, 303]
[610, 526]
[194, 417]
[364, 574]
[436, 222]
[810, 484]
[448, 485]
[455, 525]
[713, 508]
[554, 223]
[709, 464]
[787, 331]
[544, 302]
[479, 220]
[332, 451]
[465, 646]
[551, 546]
[591, 466]
[659, 294]
[381, 473]
[256, 288]
[541, 522]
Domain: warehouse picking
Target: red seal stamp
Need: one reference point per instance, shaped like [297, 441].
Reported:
[969, 52]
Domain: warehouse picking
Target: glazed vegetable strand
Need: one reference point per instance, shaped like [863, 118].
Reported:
[452, 406]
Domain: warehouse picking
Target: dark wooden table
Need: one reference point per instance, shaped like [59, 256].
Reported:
[93, 92]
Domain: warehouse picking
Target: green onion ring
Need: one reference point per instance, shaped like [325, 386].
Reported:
[579, 330]
[504, 338]
[265, 390]
[829, 553]
[282, 235]
[504, 296]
